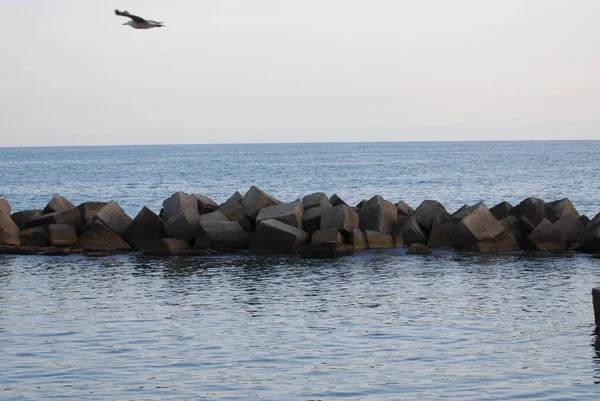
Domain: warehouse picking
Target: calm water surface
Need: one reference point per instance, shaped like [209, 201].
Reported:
[378, 326]
[374, 326]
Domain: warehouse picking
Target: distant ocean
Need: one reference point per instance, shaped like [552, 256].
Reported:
[378, 325]
[453, 173]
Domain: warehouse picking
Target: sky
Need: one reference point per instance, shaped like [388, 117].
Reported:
[256, 71]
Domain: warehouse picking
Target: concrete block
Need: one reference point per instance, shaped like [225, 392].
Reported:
[501, 243]
[255, 199]
[443, 232]
[234, 211]
[68, 216]
[314, 200]
[378, 215]
[114, 217]
[335, 200]
[145, 229]
[502, 210]
[426, 213]
[34, 236]
[326, 250]
[57, 204]
[288, 213]
[7, 224]
[378, 240]
[480, 224]
[61, 235]
[20, 218]
[184, 225]
[169, 247]
[177, 203]
[341, 217]
[222, 235]
[108, 235]
[411, 232]
[513, 226]
[404, 209]
[563, 207]
[327, 235]
[357, 239]
[205, 204]
[418, 249]
[4, 206]
[88, 210]
[546, 238]
[311, 219]
[277, 237]
[8, 237]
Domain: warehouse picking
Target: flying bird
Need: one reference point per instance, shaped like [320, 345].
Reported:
[138, 22]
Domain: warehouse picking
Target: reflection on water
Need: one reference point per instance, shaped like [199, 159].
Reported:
[378, 325]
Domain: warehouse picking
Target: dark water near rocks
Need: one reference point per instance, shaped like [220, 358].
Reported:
[378, 326]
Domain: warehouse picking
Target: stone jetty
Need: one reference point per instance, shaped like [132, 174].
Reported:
[315, 226]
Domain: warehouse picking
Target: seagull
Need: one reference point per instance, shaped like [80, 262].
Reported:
[138, 22]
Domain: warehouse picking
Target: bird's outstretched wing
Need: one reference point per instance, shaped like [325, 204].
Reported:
[133, 17]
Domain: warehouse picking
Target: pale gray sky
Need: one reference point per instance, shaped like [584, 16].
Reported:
[239, 71]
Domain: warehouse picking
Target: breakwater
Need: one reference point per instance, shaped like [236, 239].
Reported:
[315, 226]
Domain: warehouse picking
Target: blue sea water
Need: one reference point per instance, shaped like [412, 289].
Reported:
[374, 326]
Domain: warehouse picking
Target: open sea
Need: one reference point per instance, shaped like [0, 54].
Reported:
[379, 325]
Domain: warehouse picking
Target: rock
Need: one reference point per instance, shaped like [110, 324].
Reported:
[288, 213]
[501, 210]
[546, 238]
[426, 213]
[501, 243]
[461, 212]
[235, 198]
[213, 216]
[145, 230]
[443, 232]
[325, 250]
[177, 203]
[411, 232]
[335, 200]
[205, 204]
[92, 242]
[537, 212]
[478, 225]
[357, 239]
[275, 236]
[513, 226]
[34, 236]
[61, 235]
[311, 219]
[584, 220]
[314, 200]
[88, 210]
[4, 206]
[327, 235]
[418, 249]
[68, 216]
[234, 211]
[563, 207]
[8, 237]
[255, 199]
[378, 240]
[20, 218]
[169, 246]
[404, 209]
[108, 235]
[184, 225]
[341, 217]
[114, 217]
[570, 225]
[222, 235]
[378, 215]
[589, 241]
[7, 224]
[57, 204]
[525, 204]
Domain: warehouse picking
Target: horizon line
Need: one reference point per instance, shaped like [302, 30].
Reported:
[295, 143]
